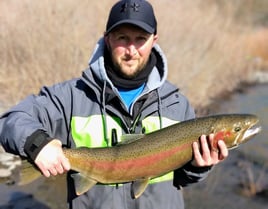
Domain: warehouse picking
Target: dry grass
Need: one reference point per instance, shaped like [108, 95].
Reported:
[43, 42]
[258, 44]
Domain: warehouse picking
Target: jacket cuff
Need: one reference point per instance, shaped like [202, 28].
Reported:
[35, 142]
[194, 169]
[189, 174]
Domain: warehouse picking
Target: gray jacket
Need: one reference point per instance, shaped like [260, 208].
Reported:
[84, 111]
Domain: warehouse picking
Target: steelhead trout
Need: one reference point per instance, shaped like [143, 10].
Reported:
[154, 154]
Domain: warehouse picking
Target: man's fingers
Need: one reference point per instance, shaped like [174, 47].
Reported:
[59, 167]
[63, 165]
[196, 151]
[198, 159]
[66, 164]
[209, 153]
[45, 172]
[223, 150]
[53, 171]
[205, 148]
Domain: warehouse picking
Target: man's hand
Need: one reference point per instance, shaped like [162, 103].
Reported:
[205, 155]
[51, 160]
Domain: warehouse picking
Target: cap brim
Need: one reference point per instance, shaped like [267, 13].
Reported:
[137, 23]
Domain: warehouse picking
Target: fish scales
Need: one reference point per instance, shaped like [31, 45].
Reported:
[156, 153]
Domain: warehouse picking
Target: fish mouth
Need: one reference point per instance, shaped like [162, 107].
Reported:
[252, 128]
[252, 131]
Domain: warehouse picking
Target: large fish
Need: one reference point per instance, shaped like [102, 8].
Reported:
[154, 154]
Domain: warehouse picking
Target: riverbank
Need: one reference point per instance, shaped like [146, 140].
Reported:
[255, 79]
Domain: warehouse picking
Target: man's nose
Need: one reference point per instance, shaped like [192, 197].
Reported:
[131, 49]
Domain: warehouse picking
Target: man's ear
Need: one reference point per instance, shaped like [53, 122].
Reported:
[155, 38]
[106, 40]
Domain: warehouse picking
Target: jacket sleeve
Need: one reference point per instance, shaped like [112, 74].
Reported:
[189, 174]
[36, 120]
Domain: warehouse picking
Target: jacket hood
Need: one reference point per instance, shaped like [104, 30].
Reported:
[96, 66]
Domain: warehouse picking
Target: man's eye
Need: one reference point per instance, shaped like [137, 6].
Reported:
[121, 37]
[141, 38]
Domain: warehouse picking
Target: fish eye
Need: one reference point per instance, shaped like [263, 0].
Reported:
[237, 129]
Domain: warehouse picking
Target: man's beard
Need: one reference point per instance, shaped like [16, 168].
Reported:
[134, 74]
[122, 80]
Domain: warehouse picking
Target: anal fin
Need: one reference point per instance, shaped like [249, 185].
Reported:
[82, 183]
[138, 187]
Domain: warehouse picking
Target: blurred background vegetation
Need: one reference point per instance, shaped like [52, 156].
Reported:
[212, 45]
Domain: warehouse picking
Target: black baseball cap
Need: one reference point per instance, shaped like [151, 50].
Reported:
[137, 12]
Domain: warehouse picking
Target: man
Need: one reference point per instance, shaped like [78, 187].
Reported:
[123, 91]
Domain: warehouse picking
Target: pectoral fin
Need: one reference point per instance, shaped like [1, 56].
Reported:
[82, 183]
[138, 187]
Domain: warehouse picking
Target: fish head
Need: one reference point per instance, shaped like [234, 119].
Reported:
[235, 129]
